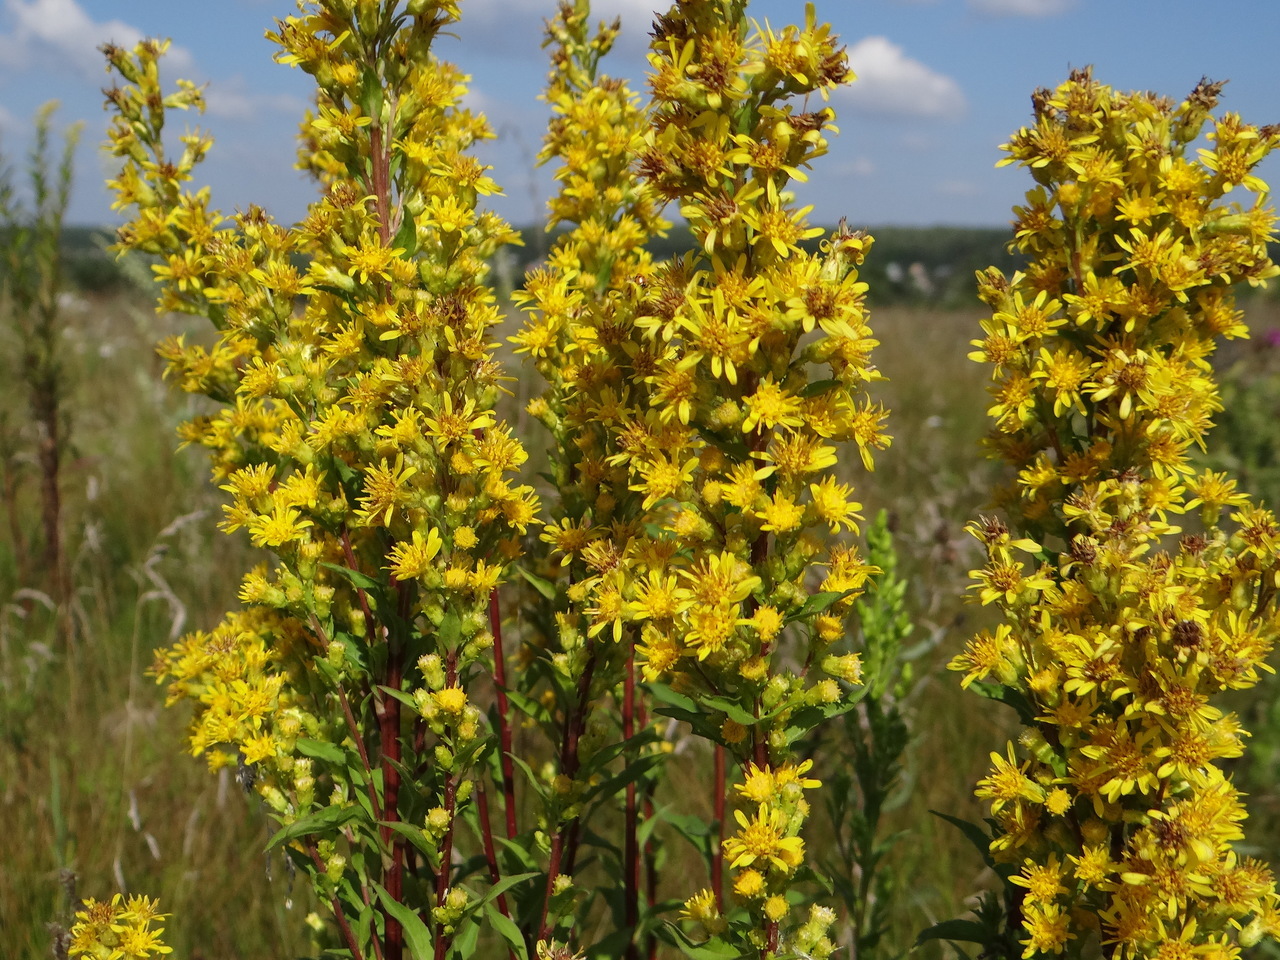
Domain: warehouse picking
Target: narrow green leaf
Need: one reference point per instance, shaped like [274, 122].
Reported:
[544, 587]
[416, 935]
[400, 695]
[966, 931]
[326, 820]
[321, 750]
[507, 929]
[358, 579]
[974, 833]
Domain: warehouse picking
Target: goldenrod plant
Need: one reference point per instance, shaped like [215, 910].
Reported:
[699, 538]
[1132, 589]
[355, 433]
[582, 338]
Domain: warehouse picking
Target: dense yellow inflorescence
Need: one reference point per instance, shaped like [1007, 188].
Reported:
[353, 430]
[119, 930]
[1128, 599]
[699, 452]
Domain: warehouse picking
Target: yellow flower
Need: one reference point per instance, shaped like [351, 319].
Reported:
[762, 838]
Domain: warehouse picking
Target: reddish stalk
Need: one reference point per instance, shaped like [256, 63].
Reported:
[504, 718]
[350, 556]
[446, 857]
[354, 730]
[718, 799]
[648, 853]
[446, 847]
[336, 905]
[631, 848]
[574, 722]
[380, 161]
[490, 853]
[650, 876]
[388, 709]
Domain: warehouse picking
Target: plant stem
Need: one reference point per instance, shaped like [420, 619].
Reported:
[574, 721]
[504, 718]
[631, 851]
[718, 788]
[352, 944]
[389, 723]
[490, 853]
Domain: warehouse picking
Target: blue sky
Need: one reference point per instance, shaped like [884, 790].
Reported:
[941, 84]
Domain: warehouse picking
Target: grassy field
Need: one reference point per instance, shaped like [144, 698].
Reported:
[95, 784]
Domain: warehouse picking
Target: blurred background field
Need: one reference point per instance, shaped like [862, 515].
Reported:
[97, 792]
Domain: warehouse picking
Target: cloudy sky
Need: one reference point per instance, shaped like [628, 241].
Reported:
[941, 84]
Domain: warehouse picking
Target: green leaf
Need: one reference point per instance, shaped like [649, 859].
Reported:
[407, 236]
[544, 587]
[819, 603]
[818, 387]
[416, 935]
[326, 820]
[974, 833]
[358, 579]
[400, 695]
[966, 931]
[505, 884]
[464, 943]
[664, 694]
[734, 711]
[534, 709]
[414, 835]
[507, 929]
[321, 750]
[371, 93]
[450, 630]
[1010, 696]
[713, 948]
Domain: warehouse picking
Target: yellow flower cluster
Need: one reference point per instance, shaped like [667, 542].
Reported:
[731, 442]
[1118, 625]
[354, 430]
[119, 930]
[580, 330]
[695, 453]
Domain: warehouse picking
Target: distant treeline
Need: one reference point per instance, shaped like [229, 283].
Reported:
[931, 266]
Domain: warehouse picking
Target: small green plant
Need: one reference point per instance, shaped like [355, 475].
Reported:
[30, 286]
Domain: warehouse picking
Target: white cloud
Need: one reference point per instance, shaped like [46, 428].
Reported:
[957, 188]
[891, 83]
[234, 100]
[63, 29]
[1021, 8]
[857, 167]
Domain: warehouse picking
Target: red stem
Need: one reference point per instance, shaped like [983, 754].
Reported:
[389, 724]
[553, 870]
[446, 857]
[349, 554]
[504, 717]
[490, 853]
[631, 848]
[446, 847]
[336, 905]
[574, 723]
[717, 859]
[354, 730]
